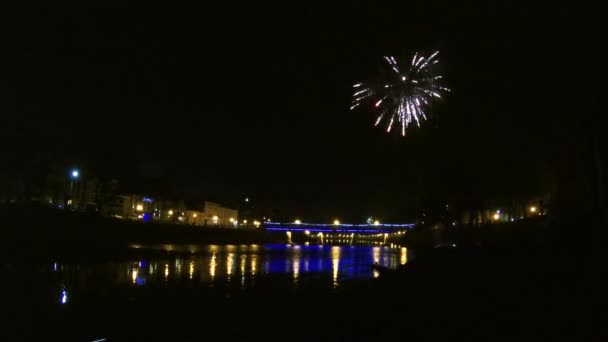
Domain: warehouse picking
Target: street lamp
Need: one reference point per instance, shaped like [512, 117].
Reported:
[75, 174]
[532, 209]
[297, 222]
[336, 222]
[376, 223]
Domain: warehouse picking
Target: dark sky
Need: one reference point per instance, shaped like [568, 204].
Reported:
[224, 103]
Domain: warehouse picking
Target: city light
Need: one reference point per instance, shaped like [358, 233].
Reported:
[231, 220]
[245, 221]
[496, 216]
[256, 223]
[307, 232]
[170, 212]
[139, 207]
[246, 199]
[194, 215]
[215, 218]
[75, 174]
[376, 223]
[532, 209]
[297, 222]
[336, 222]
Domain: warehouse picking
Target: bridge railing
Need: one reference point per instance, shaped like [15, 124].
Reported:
[337, 228]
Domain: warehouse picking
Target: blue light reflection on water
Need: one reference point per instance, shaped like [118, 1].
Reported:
[242, 266]
[215, 263]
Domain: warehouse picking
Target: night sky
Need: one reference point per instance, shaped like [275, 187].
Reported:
[223, 103]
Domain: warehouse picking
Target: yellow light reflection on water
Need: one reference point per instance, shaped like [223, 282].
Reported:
[134, 275]
[243, 260]
[229, 265]
[296, 267]
[376, 255]
[403, 260]
[376, 274]
[191, 270]
[166, 271]
[254, 264]
[212, 265]
[335, 264]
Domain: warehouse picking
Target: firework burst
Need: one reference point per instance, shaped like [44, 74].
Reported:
[404, 95]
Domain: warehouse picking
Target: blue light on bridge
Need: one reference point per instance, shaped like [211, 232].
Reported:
[330, 228]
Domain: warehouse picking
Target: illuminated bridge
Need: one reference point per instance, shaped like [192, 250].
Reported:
[375, 233]
[338, 228]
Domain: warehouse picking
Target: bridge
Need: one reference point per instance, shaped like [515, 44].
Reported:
[380, 228]
[341, 233]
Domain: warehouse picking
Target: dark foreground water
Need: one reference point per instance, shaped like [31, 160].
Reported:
[209, 266]
[83, 299]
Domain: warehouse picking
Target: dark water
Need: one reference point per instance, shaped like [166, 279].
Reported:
[166, 284]
[229, 266]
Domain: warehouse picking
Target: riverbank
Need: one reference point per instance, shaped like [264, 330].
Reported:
[45, 232]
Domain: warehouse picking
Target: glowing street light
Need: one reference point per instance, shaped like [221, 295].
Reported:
[75, 174]
[532, 209]
[139, 207]
[170, 212]
[496, 216]
[336, 222]
[376, 223]
[231, 220]
[194, 215]
[297, 222]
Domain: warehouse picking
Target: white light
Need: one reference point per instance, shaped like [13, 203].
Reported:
[297, 222]
[139, 207]
[75, 174]
[336, 222]
[376, 223]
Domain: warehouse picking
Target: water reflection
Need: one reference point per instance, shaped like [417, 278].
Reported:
[403, 260]
[335, 264]
[213, 265]
[64, 297]
[229, 264]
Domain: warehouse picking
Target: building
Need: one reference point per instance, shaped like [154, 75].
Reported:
[217, 215]
[134, 207]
